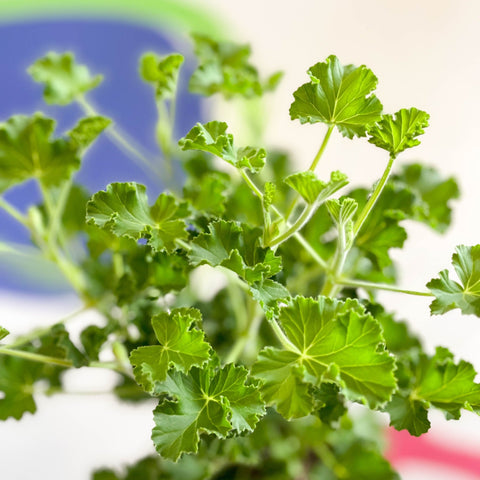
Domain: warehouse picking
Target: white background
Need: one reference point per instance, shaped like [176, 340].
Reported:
[425, 54]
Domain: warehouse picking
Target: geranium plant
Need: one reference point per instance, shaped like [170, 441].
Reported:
[258, 381]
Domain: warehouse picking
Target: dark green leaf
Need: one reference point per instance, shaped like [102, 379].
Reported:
[211, 401]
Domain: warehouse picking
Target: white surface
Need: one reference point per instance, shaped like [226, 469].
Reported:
[425, 55]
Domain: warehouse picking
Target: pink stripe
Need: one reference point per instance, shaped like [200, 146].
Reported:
[402, 447]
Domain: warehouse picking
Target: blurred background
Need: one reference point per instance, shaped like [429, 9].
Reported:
[424, 54]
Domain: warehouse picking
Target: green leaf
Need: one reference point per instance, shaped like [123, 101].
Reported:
[408, 414]
[381, 231]
[313, 189]
[162, 72]
[16, 383]
[338, 95]
[64, 79]
[435, 381]
[432, 194]
[27, 151]
[329, 403]
[398, 337]
[208, 195]
[123, 210]
[450, 294]
[208, 400]
[447, 385]
[3, 333]
[224, 68]
[283, 385]
[182, 346]
[343, 210]
[395, 133]
[57, 344]
[93, 339]
[236, 247]
[87, 130]
[334, 341]
[212, 138]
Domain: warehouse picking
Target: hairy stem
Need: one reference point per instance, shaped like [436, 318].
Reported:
[36, 357]
[300, 239]
[373, 198]
[286, 343]
[349, 282]
[13, 212]
[119, 138]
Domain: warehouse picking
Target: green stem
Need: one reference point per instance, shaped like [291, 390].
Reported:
[300, 239]
[13, 212]
[319, 154]
[56, 217]
[120, 139]
[36, 357]
[349, 282]
[302, 219]
[330, 288]
[287, 344]
[374, 197]
[247, 336]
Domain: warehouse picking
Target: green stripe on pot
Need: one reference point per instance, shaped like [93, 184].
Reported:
[174, 15]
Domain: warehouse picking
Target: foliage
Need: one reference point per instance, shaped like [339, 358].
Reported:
[258, 381]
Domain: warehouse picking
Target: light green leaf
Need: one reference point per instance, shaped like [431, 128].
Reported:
[3, 333]
[123, 210]
[338, 95]
[450, 294]
[342, 211]
[335, 341]
[27, 151]
[434, 381]
[224, 68]
[395, 133]
[64, 79]
[87, 130]
[212, 138]
[162, 72]
[432, 194]
[208, 400]
[313, 189]
[447, 385]
[283, 385]
[182, 346]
